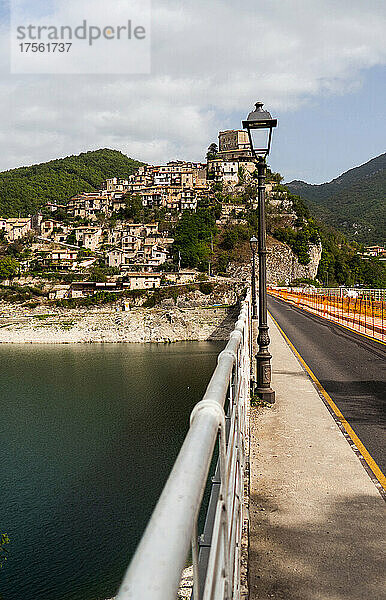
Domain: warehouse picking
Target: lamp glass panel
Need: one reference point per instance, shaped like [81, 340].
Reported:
[260, 140]
[253, 244]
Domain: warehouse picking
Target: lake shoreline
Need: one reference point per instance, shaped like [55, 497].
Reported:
[166, 324]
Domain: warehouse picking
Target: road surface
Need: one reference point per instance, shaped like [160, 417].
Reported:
[350, 367]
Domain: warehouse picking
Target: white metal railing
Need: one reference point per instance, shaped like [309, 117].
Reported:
[347, 292]
[342, 292]
[155, 570]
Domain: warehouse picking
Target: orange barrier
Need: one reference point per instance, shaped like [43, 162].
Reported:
[364, 315]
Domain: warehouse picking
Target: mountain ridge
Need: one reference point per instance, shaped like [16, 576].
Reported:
[24, 190]
[353, 202]
[381, 158]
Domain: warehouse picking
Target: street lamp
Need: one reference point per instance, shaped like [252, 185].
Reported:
[253, 246]
[259, 125]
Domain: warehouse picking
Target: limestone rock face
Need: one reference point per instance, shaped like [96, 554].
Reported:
[107, 324]
[282, 264]
[195, 316]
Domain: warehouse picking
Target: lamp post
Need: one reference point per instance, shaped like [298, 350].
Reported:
[259, 125]
[253, 246]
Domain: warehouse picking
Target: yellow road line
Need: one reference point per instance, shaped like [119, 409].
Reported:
[362, 449]
[369, 337]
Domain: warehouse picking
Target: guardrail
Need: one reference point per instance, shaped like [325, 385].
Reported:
[222, 415]
[342, 292]
[363, 314]
[345, 292]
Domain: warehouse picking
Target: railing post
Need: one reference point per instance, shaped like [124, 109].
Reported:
[372, 308]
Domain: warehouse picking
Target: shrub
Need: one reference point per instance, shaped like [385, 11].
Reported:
[206, 287]
[9, 267]
[19, 293]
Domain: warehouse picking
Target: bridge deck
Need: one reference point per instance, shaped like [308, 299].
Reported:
[317, 519]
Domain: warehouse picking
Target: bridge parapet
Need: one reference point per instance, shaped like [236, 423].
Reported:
[220, 419]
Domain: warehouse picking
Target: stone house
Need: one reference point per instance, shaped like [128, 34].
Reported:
[142, 281]
[15, 228]
[59, 257]
[131, 244]
[89, 237]
[152, 255]
[188, 199]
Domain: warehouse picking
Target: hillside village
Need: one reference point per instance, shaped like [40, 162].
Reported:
[170, 225]
[125, 228]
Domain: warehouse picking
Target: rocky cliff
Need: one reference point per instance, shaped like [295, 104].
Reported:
[282, 264]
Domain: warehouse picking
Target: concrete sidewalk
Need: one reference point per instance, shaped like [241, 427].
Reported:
[317, 529]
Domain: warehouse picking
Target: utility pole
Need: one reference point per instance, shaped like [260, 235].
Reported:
[211, 254]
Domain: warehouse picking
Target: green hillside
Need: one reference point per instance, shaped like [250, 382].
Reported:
[26, 189]
[354, 203]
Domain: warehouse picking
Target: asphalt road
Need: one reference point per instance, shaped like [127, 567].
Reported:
[350, 367]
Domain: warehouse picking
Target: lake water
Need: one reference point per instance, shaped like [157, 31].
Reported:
[88, 436]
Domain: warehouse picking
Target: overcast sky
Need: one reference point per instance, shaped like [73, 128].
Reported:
[318, 65]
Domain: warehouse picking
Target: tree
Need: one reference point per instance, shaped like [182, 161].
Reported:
[26, 189]
[212, 151]
[61, 215]
[133, 207]
[4, 540]
[276, 177]
[234, 235]
[71, 238]
[9, 267]
[15, 249]
[374, 272]
[98, 274]
[249, 193]
[192, 238]
[241, 174]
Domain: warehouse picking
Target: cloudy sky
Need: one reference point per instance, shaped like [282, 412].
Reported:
[318, 65]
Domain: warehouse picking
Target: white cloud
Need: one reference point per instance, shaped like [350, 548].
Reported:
[210, 62]
[96, 44]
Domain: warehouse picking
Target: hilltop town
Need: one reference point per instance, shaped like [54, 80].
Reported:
[164, 227]
[121, 236]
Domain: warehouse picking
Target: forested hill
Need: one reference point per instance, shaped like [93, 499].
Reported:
[354, 203]
[26, 189]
